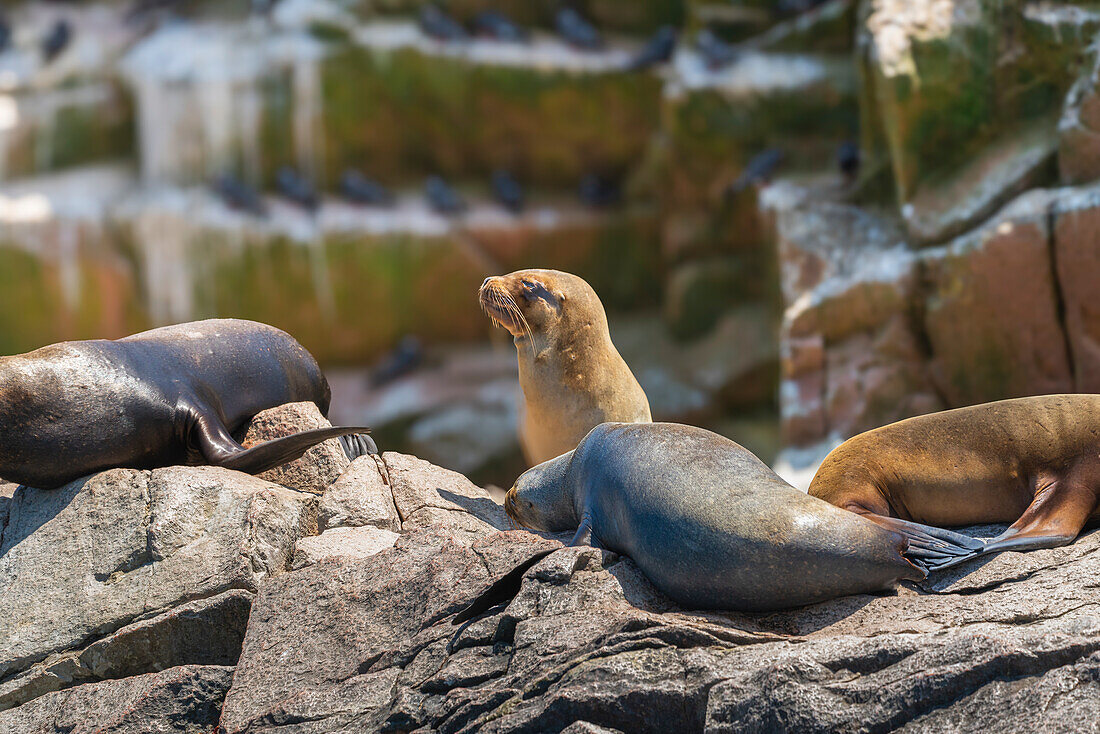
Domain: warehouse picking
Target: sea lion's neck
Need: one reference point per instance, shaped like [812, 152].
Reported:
[574, 359]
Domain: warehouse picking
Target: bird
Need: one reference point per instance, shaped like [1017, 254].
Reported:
[56, 40]
[498, 26]
[758, 171]
[577, 31]
[508, 191]
[402, 359]
[716, 53]
[847, 157]
[296, 189]
[437, 24]
[442, 197]
[599, 191]
[238, 195]
[657, 51]
[358, 188]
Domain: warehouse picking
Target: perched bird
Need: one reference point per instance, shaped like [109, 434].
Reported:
[296, 188]
[437, 24]
[600, 191]
[847, 157]
[56, 40]
[442, 197]
[358, 188]
[797, 7]
[657, 51]
[508, 191]
[716, 53]
[406, 357]
[238, 195]
[5, 34]
[498, 26]
[577, 31]
[758, 171]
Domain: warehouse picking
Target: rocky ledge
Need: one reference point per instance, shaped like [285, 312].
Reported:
[182, 599]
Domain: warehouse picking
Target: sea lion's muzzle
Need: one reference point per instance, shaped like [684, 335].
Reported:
[511, 509]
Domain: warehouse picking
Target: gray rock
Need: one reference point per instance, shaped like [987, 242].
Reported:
[428, 496]
[202, 632]
[344, 543]
[361, 496]
[1009, 643]
[82, 561]
[318, 468]
[183, 700]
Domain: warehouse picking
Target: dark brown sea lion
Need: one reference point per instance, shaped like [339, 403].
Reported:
[164, 397]
[1033, 462]
[572, 376]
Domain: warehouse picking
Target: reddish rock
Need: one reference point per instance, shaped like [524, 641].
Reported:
[1077, 258]
[319, 467]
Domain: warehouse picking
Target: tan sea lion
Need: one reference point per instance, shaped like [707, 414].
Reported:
[572, 376]
[1033, 462]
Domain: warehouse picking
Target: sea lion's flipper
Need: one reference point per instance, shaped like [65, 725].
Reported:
[502, 591]
[279, 451]
[219, 448]
[358, 444]
[584, 534]
[931, 548]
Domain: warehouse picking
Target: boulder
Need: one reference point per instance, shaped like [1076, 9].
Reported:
[992, 311]
[1076, 217]
[317, 468]
[202, 632]
[345, 543]
[183, 700]
[80, 562]
[361, 496]
[586, 642]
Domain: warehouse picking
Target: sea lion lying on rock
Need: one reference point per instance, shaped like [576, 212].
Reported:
[572, 376]
[707, 522]
[1033, 462]
[169, 396]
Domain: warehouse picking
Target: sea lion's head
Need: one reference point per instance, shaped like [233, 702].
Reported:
[542, 497]
[544, 303]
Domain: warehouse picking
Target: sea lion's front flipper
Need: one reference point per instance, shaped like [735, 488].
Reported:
[584, 535]
[931, 548]
[503, 590]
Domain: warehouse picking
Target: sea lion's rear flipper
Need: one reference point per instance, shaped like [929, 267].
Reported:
[358, 444]
[931, 548]
[218, 448]
[279, 451]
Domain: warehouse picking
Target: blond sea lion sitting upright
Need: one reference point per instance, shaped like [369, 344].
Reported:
[1033, 462]
[572, 376]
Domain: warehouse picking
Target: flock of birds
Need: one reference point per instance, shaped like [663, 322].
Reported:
[595, 190]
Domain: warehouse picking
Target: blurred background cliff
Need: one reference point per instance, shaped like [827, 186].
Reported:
[812, 219]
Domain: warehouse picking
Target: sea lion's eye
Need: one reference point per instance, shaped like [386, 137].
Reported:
[527, 284]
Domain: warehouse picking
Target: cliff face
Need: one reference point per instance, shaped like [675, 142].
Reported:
[183, 599]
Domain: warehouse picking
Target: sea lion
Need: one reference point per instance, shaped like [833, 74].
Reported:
[164, 397]
[708, 523]
[572, 376]
[1033, 462]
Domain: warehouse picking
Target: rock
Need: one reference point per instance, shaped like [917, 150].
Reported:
[342, 543]
[468, 437]
[83, 561]
[202, 632]
[318, 468]
[587, 643]
[992, 311]
[697, 293]
[366, 620]
[361, 496]
[851, 358]
[1076, 217]
[428, 496]
[1079, 128]
[183, 700]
